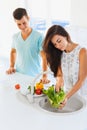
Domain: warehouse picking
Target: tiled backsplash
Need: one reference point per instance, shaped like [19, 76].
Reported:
[41, 25]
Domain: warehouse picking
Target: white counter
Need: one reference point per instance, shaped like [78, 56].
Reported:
[16, 113]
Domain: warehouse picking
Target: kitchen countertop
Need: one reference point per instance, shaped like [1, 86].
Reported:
[16, 113]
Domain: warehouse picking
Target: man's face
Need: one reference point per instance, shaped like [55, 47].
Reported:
[23, 23]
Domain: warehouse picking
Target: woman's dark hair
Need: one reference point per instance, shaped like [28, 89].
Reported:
[19, 13]
[54, 54]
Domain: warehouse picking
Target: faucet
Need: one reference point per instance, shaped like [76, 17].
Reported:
[31, 95]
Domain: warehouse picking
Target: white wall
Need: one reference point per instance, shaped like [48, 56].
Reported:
[53, 9]
[79, 13]
[73, 11]
[49, 9]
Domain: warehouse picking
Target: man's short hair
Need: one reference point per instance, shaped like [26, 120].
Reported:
[19, 13]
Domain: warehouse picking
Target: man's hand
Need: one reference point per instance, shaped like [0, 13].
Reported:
[11, 70]
[12, 62]
[44, 79]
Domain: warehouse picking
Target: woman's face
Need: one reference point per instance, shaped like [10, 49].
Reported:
[59, 42]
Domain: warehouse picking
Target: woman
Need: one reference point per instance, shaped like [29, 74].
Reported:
[67, 60]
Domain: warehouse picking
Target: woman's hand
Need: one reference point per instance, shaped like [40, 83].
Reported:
[62, 104]
[59, 83]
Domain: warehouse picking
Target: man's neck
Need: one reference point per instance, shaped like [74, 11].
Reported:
[26, 33]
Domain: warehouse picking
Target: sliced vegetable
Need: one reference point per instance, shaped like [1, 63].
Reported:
[39, 85]
[17, 86]
[38, 91]
[37, 88]
[29, 88]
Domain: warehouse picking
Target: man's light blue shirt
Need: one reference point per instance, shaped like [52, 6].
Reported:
[28, 59]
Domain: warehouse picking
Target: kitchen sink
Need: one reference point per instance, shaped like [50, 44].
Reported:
[75, 104]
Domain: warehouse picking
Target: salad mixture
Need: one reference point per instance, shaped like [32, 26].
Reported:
[55, 98]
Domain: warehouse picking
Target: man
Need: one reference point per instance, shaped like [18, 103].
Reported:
[27, 48]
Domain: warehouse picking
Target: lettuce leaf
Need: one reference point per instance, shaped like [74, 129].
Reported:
[55, 98]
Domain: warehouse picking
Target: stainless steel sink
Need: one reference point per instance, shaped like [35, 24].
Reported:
[74, 104]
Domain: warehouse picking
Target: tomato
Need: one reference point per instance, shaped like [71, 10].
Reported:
[38, 91]
[17, 86]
